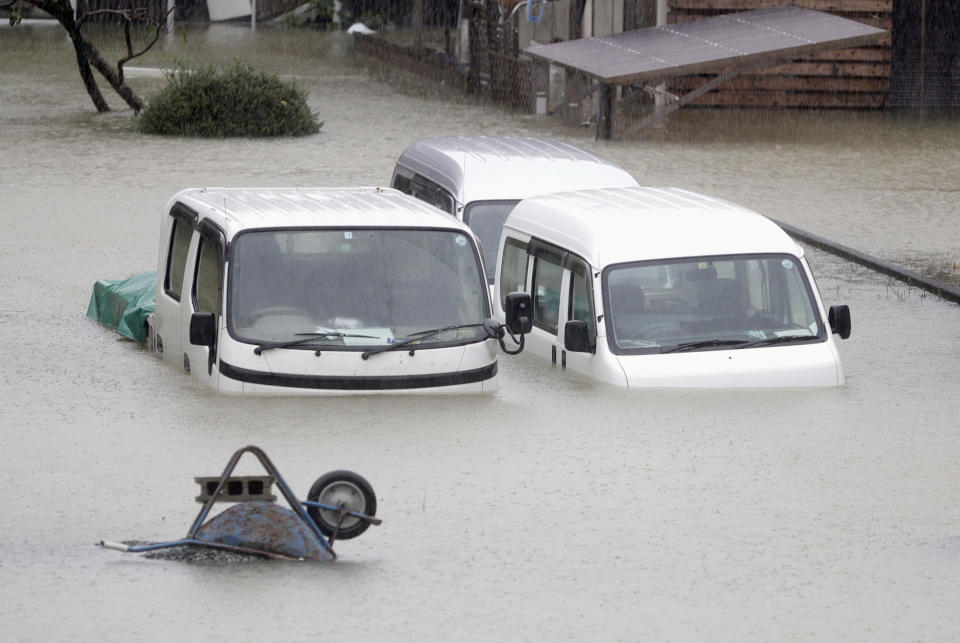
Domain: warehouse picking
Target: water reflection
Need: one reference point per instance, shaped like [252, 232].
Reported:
[556, 508]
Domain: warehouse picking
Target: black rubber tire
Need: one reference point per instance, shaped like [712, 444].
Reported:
[346, 486]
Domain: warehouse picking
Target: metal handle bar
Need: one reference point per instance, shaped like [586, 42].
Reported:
[354, 514]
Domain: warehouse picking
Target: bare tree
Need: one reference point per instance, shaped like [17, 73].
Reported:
[88, 57]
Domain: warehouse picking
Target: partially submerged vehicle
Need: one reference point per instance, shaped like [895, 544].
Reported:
[286, 290]
[479, 179]
[649, 287]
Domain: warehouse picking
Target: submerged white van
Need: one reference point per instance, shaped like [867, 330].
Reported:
[650, 287]
[317, 290]
[480, 178]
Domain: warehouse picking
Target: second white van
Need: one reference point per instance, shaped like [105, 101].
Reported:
[660, 287]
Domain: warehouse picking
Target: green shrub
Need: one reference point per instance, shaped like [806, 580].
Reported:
[236, 101]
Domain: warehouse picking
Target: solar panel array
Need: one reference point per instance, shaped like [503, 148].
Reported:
[711, 44]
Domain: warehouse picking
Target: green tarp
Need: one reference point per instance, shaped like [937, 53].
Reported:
[125, 304]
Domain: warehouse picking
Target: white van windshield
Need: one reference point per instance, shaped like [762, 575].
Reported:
[355, 288]
[708, 303]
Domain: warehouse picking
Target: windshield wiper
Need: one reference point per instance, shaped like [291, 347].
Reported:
[782, 339]
[706, 343]
[303, 340]
[415, 337]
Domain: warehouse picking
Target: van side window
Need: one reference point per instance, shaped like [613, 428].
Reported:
[208, 284]
[177, 257]
[547, 276]
[580, 305]
[513, 271]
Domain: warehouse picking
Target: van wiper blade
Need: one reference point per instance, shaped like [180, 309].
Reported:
[783, 339]
[415, 337]
[706, 343]
[303, 340]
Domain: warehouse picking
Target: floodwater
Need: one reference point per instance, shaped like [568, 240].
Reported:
[555, 509]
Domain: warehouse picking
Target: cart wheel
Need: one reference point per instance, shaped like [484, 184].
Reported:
[347, 488]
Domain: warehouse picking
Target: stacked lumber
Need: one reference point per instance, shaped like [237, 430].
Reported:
[853, 78]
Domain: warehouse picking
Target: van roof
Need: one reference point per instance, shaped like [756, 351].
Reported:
[509, 167]
[236, 209]
[617, 225]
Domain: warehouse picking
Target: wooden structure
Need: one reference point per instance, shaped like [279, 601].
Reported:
[847, 77]
[718, 49]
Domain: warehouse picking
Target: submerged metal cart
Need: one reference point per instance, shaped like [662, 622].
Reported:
[340, 505]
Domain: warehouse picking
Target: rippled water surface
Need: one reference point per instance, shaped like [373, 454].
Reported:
[555, 509]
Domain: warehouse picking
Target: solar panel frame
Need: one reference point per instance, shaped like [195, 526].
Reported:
[744, 38]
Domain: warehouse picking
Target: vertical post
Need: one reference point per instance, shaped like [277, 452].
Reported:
[659, 99]
[463, 36]
[605, 117]
[253, 14]
[416, 20]
[170, 12]
[574, 17]
[577, 85]
[540, 85]
[475, 40]
[494, 70]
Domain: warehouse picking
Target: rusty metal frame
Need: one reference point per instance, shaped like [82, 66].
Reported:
[291, 499]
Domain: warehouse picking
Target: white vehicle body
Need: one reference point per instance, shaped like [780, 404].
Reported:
[479, 179]
[311, 290]
[669, 289]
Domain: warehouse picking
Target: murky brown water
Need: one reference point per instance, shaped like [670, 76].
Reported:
[554, 509]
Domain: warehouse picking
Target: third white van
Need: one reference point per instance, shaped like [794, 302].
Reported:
[479, 179]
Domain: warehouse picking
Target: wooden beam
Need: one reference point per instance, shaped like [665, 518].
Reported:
[790, 83]
[836, 69]
[826, 100]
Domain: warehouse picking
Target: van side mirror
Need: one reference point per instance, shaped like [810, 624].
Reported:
[203, 329]
[518, 307]
[839, 318]
[576, 337]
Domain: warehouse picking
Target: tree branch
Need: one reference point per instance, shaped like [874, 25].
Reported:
[157, 30]
[87, 54]
[128, 15]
